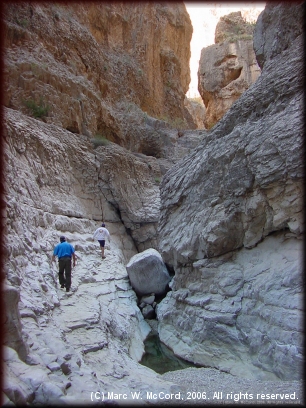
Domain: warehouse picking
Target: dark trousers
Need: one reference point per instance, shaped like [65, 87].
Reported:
[64, 265]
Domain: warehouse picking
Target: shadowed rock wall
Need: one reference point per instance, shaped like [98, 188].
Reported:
[243, 187]
[268, 43]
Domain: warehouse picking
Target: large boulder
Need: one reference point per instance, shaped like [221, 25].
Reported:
[148, 273]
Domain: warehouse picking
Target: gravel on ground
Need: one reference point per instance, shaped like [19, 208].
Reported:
[203, 386]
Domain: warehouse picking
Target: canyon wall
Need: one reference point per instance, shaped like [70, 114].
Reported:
[231, 223]
[109, 73]
[227, 68]
[85, 96]
[89, 91]
[60, 347]
[90, 64]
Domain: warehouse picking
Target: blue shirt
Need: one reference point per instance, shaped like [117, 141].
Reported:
[63, 249]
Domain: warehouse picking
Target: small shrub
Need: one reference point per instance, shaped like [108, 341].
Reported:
[34, 68]
[99, 140]
[241, 31]
[197, 99]
[37, 110]
[250, 24]
[132, 107]
[23, 22]
[178, 123]
[210, 125]
[235, 38]
[145, 117]
[157, 180]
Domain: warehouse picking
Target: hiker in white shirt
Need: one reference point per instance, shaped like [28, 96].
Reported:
[100, 235]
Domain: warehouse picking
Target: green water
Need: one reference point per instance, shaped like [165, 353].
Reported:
[160, 358]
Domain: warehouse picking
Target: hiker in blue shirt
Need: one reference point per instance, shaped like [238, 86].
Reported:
[64, 251]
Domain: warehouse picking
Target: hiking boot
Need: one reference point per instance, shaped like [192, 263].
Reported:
[62, 286]
[103, 257]
[67, 289]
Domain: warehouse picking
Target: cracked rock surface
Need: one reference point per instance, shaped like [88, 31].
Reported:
[239, 196]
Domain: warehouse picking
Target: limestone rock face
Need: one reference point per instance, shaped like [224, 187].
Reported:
[226, 70]
[275, 24]
[232, 25]
[71, 66]
[79, 66]
[129, 184]
[241, 312]
[148, 273]
[62, 346]
[243, 183]
[12, 326]
[197, 111]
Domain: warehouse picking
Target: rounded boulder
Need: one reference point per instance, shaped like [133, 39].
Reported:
[148, 273]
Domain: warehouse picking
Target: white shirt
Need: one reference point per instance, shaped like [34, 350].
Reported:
[101, 234]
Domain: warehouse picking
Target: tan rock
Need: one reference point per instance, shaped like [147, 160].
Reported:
[226, 70]
[69, 65]
[233, 26]
[197, 110]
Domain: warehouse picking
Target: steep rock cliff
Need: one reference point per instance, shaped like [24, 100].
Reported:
[88, 68]
[268, 43]
[227, 68]
[239, 195]
[82, 145]
[197, 111]
[61, 347]
[231, 26]
[87, 61]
